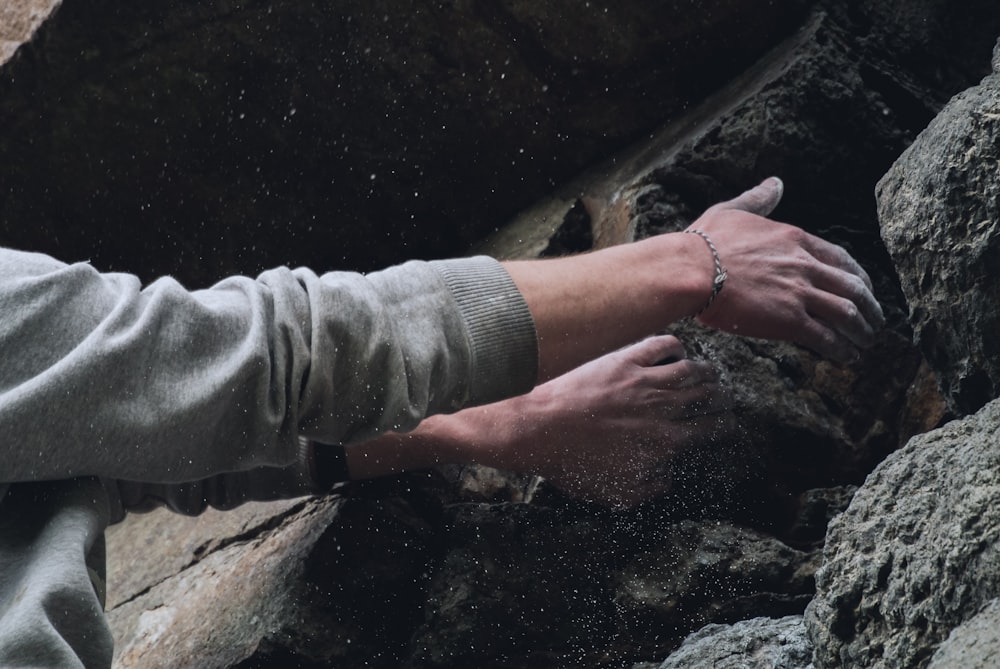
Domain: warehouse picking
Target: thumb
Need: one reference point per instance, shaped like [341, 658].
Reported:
[656, 350]
[760, 200]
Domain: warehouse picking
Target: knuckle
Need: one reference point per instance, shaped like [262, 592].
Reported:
[859, 290]
[850, 310]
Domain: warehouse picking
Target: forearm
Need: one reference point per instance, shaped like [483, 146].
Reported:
[498, 435]
[590, 304]
[583, 307]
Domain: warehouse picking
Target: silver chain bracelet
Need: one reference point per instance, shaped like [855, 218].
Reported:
[720, 271]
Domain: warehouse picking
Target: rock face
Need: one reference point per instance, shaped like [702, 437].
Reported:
[588, 586]
[913, 559]
[209, 138]
[940, 207]
[916, 554]
[759, 643]
[18, 21]
[975, 644]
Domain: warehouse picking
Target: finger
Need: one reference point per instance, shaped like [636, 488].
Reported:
[843, 316]
[822, 339]
[682, 374]
[835, 255]
[655, 350]
[761, 199]
[851, 287]
[678, 404]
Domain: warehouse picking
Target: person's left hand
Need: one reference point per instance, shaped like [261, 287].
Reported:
[784, 283]
[605, 431]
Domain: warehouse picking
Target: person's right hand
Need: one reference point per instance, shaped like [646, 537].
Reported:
[784, 283]
[608, 430]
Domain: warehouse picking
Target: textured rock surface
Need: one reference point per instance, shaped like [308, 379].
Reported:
[939, 207]
[528, 585]
[759, 643]
[916, 553]
[975, 644]
[321, 582]
[18, 21]
[241, 589]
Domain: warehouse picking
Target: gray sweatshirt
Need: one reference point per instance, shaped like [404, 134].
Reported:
[173, 391]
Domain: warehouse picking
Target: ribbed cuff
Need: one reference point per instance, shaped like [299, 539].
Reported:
[502, 339]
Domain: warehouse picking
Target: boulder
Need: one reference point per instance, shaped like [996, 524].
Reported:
[916, 554]
[939, 206]
[975, 644]
[758, 643]
[310, 582]
[527, 585]
[19, 19]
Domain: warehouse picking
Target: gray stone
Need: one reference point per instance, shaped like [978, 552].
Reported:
[760, 643]
[939, 206]
[19, 19]
[916, 553]
[568, 586]
[709, 572]
[325, 581]
[975, 644]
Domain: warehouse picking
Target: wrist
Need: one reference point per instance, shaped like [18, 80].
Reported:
[719, 279]
[683, 273]
[491, 435]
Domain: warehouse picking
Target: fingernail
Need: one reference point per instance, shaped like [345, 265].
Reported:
[778, 183]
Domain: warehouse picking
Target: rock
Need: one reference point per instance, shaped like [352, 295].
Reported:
[941, 47]
[816, 508]
[696, 573]
[325, 581]
[527, 585]
[181, 542]
[19, 19]
[939, 206]
[917, 552]
[519, 584]
[975, 644]
[219, 609]
[760, 643]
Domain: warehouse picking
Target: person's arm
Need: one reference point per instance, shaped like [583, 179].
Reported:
[781, 283]
[101, 376]
[603, 431]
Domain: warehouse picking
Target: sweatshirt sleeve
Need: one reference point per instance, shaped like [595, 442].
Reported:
[102, 376]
